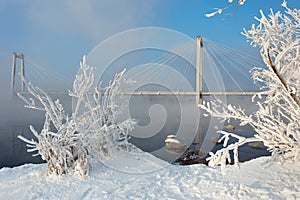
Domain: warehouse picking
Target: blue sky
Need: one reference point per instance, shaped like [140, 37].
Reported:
[56, 34]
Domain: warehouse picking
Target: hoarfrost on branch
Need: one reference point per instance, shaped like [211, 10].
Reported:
[68, 143]
[220, 10]
[277, 121]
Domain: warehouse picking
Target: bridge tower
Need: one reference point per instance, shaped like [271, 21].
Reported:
[13, 71]
[199, 81]
[199, 87]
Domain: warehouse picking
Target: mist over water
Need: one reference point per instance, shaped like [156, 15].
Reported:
[15, 120]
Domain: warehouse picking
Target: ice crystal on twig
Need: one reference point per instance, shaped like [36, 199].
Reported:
[277, 120]
[68, 143]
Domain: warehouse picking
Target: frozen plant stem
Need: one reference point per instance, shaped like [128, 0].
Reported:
[282, 80]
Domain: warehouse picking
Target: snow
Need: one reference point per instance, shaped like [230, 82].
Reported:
[172, 140]
[142, 176]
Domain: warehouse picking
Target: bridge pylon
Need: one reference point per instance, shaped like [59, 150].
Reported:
[13, 71]
[199, 86]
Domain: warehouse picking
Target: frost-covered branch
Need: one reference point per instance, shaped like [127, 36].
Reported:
[91, 132]
[222, 156]
[277, 120]
[233, 3]
[278, 36]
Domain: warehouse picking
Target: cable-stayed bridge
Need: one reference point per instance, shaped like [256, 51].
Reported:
[218, 63]
[211, 71]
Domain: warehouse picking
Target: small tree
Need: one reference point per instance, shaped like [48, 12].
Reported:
[277, 121]
[68, 143]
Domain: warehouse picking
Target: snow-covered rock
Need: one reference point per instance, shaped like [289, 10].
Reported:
[174, 145]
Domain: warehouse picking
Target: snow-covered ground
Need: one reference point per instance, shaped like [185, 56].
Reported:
[142, 176]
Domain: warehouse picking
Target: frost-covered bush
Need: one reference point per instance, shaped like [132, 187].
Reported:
[68, 143]
[277, 120]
